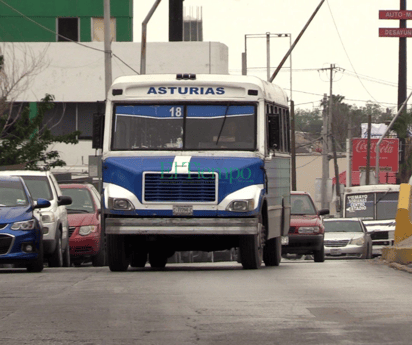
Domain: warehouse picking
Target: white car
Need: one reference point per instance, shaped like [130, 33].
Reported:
[347, 237]
[53, 219]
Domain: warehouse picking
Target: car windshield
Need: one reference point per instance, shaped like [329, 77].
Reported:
[302, 204]
[82, 201]
[39, 187]
[362, 205]
[342, 226]
[12, 194]
[184, 127]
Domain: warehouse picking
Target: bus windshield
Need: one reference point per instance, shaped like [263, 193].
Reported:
[362, 205]
[184, 127]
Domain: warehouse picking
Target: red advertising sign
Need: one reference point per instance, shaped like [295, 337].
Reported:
[400, 15]
[388, 154]
[395, 32]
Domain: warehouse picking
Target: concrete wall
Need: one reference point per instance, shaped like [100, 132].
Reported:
[75, 73]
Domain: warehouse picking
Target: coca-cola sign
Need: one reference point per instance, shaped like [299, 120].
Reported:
[388, 154]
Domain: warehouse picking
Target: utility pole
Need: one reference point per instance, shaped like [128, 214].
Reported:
[107, 48]
[325, 162]
[293, 143]
[349, 154]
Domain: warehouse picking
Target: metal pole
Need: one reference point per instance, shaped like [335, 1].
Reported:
[245, 60]
[349, 155]
[290, 61]
[296, 41]
[325, 163]
[293, 143]
[384, 134]
[107, 47]
[268, 55]
[368, 150]
[144, 36]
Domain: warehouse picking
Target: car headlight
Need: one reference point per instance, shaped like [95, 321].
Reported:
[26, 225]
[357, 241]
[120, 204]
[86, 230]
[48, 217]
[241, 205]
[308, 230]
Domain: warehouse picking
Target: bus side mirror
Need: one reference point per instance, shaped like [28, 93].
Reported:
[98, 129]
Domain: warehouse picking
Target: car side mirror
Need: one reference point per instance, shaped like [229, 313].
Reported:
[64, 200]
[323, 211]
[42, 203]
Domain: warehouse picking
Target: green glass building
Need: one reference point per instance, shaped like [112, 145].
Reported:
[59, 20]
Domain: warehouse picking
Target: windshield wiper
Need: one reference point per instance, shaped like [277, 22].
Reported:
[223, 124]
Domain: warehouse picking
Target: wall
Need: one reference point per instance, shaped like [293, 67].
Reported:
[74, 73]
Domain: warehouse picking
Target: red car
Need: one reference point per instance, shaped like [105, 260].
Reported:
[306, 232]
[86, 238]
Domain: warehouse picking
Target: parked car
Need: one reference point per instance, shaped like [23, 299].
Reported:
[306, 232]
[87, 241]
[21, 238]
[55, 226]
[347, 237]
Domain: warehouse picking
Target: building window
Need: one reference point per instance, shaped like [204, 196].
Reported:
[98, 29]
[68, 28]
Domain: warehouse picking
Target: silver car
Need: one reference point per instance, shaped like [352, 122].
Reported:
[347, 237]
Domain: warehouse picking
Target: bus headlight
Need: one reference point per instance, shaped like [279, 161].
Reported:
[120, 204]
[241, 205]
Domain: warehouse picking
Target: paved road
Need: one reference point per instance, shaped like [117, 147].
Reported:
[299, 302]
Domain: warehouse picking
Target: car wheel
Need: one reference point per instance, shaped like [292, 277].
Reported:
[157, 259]
[99, 259]
[37, 265]
[56, 259]
[66, 257]
[116, 250]
[251, 251]
[319, 255]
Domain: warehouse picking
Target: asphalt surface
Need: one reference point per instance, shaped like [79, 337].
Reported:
[299, 302]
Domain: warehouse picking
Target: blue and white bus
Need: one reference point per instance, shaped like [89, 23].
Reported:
[195, 163]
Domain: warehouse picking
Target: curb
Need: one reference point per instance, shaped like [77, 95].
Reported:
[400, 255]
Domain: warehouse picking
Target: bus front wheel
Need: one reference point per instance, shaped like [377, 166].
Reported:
[251, 249]
[118, 260]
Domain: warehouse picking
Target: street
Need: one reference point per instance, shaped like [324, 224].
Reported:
[299, 302]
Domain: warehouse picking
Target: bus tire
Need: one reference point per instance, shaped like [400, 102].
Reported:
[138, 258]
[118, 261]
[272, 252]
[251, 251]
[157, 259]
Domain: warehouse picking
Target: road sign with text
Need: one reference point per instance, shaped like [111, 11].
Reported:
[395, 32]
[400, 15]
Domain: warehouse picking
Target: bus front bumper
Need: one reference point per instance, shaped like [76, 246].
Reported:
[181, 226]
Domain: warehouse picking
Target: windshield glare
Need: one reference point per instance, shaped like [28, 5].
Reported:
[189, 127]
[302, 204]
[342, 226]
[362, 205]
[12, 194]
[81, 200]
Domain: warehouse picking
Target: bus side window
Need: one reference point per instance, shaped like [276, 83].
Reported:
[274, 130]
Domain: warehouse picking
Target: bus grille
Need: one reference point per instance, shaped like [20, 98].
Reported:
[179, 187]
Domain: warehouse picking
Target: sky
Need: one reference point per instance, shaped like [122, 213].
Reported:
[343, 33]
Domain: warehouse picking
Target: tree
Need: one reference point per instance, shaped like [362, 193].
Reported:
[27, 140]
[24, 138]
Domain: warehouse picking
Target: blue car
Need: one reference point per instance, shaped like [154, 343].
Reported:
[21, 237]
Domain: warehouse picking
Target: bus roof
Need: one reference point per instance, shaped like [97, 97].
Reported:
[372, 188]
[267, 90]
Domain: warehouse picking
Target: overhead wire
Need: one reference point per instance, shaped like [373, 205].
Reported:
[68, 39]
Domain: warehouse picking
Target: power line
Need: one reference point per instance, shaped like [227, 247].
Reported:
[347, 55]
[68, 39]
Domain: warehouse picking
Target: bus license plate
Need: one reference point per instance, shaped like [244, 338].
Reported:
[182, 210]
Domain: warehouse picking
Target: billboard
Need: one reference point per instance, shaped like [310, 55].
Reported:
[388, 154]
